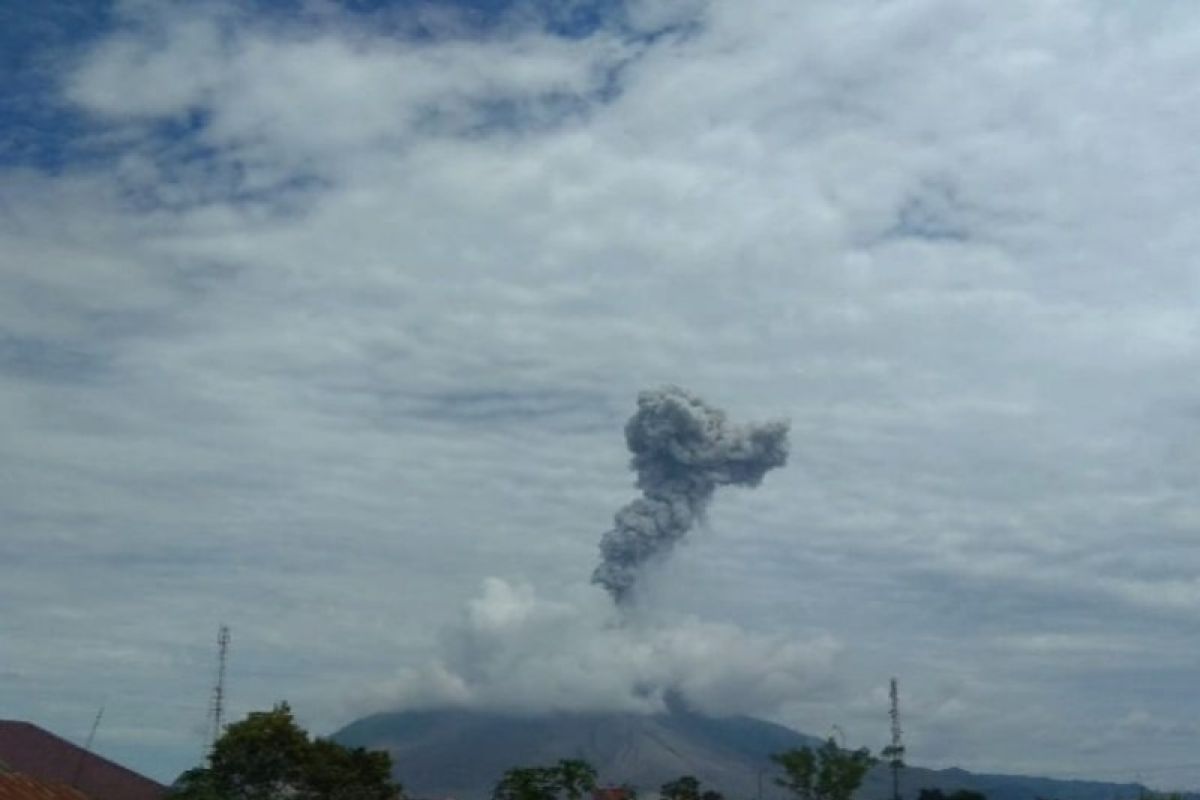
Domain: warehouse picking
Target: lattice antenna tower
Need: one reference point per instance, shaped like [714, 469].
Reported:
[894, 752]
[216, 711]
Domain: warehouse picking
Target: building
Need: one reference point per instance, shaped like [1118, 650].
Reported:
[613, 793]
[15, 786]
[57, 765]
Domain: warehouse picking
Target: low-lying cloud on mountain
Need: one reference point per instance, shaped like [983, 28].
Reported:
[516, 651]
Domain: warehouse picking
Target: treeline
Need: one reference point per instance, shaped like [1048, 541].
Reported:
[267, 756]
[826, 773]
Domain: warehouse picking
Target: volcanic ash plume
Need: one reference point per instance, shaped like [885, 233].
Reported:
[683, 449]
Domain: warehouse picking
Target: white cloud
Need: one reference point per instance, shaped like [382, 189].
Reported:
[515, 651]
[279, 97]
[368, 334]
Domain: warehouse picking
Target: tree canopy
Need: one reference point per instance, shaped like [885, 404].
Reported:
[687, 787]
[569, 778]
[958, 794]
[826, 773]
[267, 756]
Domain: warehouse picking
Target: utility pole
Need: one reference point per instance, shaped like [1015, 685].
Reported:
[216, 710]
[835, 730]
[87, 748]
[894, 752]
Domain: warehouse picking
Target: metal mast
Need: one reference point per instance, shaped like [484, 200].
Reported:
[894, 752]
[217, 710]
[87, 748]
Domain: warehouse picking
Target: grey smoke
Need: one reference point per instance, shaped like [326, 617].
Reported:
[683, 449]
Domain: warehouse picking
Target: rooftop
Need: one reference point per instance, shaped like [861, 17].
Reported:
[49, 759]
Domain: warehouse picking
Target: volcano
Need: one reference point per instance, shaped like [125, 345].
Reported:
[462, 754]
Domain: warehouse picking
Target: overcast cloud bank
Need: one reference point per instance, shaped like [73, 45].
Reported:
[322, 322]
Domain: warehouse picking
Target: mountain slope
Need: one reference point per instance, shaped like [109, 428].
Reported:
[461, 754]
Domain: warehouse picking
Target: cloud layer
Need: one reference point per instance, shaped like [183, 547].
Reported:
[318, 322]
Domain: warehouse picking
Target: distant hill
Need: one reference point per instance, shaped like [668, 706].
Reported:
[461, 754]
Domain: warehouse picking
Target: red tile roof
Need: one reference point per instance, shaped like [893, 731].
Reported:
[15, 786]
[611, 793]
[28, 749]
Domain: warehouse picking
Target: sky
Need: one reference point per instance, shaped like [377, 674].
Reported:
[323, 320]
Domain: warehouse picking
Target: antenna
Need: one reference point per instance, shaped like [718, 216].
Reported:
[894, 752]
[216, 711]
[836, 730]
[87, 747]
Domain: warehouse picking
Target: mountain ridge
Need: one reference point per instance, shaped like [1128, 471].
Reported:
[461, 753]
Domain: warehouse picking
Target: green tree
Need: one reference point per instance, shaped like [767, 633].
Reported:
[527, 783]
[826, 773]
[959, 794]
[575, 776]
[572, 777]
[686, 787]
[195, 784]
[333, 772]
[267, 756]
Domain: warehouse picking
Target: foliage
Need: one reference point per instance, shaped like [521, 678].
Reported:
[195, 784]
[576, 776]
[527, 783]
[959, 794]
[267, 756]
[569, 777]
[687, 787]
[826, 773]
[333, 772]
